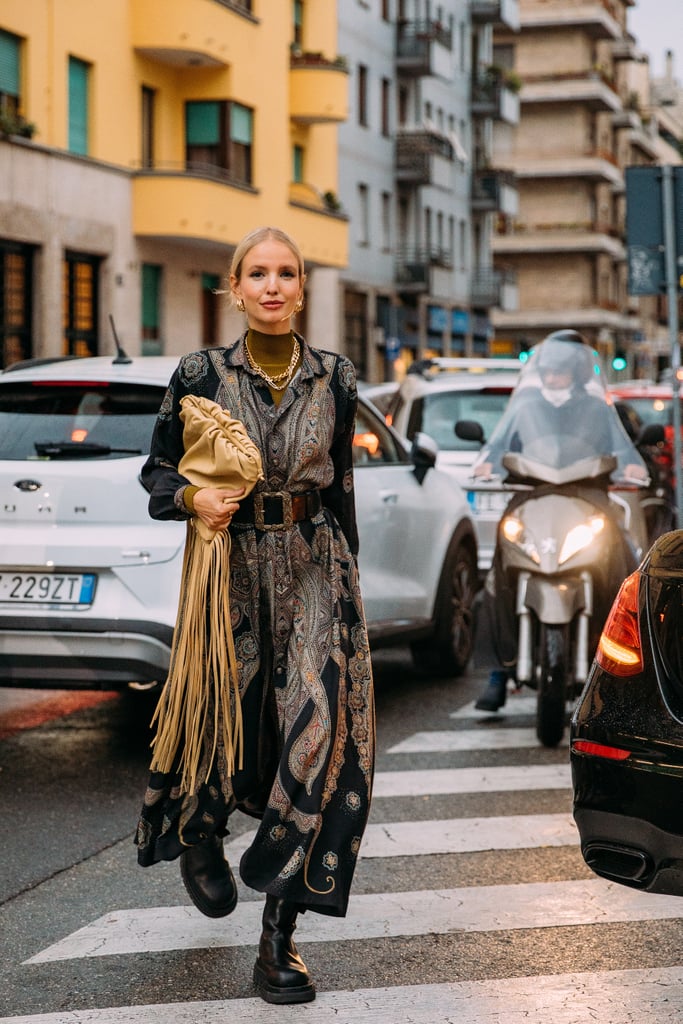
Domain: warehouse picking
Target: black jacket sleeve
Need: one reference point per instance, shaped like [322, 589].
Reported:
[339, 497]
[160, 475]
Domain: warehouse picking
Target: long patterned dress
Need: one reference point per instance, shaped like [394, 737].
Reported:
[303, 658]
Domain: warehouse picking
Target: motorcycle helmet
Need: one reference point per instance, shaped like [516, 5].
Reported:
[560, 352]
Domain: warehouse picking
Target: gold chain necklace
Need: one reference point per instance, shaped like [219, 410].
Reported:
[280, 380]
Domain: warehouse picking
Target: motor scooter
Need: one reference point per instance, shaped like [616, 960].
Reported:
[568, 536]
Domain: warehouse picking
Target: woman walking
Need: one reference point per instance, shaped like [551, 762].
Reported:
[300, 642]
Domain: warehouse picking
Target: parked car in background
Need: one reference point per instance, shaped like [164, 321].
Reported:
[381, 395]
[627, 732]
[433, 396]
[89, 583]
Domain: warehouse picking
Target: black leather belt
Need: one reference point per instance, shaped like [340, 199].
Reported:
[278, 510]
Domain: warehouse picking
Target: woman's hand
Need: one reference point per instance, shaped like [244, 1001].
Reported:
[216, 507]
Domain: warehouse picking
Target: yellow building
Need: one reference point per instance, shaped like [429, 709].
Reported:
[139, 140]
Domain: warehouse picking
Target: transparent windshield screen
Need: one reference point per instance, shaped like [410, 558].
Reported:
[559, 412]
[112, 415]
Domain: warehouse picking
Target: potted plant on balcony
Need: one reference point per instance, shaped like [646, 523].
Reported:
[15, 124]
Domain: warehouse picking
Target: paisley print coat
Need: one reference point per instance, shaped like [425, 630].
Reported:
[300, 636]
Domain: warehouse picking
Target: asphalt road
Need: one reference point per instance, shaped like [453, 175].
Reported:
[471, 901]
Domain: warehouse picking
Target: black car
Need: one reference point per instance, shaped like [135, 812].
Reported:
[627, 732]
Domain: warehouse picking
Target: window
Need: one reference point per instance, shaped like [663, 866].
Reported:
[79, 73]
[362, 95]
[10, 74]
[16, 277]
[386, 10]
[298, 163]
[147, 122]
[385, 113]
[363, 215]
[298, 33]
[210, 318]
[151, 309]
[386, 221]
[80, 297]
[218, 137]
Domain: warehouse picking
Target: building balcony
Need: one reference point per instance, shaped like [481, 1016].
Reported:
[318, 88]
[414, 265]
[599, 18]
[494, 191]
[524, 237]
[174, 205]
[423, 158]
[423, 48]
[493, 98]
[589, 88]
[490, 287]
[594, 165]
[182, 35]
[501, 14]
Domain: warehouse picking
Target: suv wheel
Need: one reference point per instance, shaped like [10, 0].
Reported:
[449, 649]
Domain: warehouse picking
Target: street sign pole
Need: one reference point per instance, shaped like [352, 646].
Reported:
[672, 303]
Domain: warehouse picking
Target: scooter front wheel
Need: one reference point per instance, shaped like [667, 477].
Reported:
[553, 671]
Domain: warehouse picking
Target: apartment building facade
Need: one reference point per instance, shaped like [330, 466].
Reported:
[138, 142]
[585, 117]
[418, 178]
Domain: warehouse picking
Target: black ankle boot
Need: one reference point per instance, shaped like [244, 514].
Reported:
[208, 878]
[495, 693]
[280, 974]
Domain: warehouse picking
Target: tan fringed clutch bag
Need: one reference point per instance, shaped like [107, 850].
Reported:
[218, 453]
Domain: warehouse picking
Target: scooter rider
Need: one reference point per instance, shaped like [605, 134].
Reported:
[561, 405]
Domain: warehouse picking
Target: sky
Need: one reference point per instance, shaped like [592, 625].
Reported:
[658, 26]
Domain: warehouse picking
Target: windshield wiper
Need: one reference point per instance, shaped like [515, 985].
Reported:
[78, 449]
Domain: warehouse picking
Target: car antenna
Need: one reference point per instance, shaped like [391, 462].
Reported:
[121, 354]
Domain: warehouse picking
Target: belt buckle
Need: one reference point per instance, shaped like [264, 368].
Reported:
[259, 512]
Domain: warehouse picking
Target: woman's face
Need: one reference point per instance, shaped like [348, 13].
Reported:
[269, 285]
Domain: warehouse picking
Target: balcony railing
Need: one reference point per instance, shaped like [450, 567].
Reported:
[415, 52]
[487, 286]
[413, 264]
[490, 188]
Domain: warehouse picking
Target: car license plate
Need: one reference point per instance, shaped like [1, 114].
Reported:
[488, 501]
[47, 587]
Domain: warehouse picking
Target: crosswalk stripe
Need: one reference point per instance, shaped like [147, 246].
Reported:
[483, 738]
[647, 996]
[472, 780]
[516, 704]
[378, 915]
[451, 835]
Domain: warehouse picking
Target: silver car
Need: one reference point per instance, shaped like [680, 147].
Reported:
[89, 583]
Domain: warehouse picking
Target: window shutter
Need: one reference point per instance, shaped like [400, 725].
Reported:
[9, 63]
[202, 124]
[241, 119]
[78, 106]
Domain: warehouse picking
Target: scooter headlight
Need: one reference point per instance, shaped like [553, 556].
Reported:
[581, 537]
[514, 531]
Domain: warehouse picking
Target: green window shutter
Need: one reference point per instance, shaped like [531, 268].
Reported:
[9, 63]
[241, 123]
[210, 282]
[78, 106]
[202, 126]
[298, 163]
[151, 289]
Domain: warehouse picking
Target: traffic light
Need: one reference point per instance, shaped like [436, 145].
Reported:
[619, 360]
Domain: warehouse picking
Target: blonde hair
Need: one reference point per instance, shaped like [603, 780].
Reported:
[257, 236]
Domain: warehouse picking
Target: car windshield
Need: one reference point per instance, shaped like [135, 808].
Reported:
[74, 419]
[559, 413]
[651, 410]
[436, 415]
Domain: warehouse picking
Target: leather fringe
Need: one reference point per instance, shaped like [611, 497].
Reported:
[203, 662]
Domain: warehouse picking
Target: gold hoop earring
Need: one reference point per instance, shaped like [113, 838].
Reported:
[299, 305]
[240, 305]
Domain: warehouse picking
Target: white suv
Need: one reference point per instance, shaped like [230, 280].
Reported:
[89, 583]
[433, 396]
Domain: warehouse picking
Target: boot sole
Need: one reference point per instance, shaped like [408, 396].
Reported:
[290, 994]
[203, 905]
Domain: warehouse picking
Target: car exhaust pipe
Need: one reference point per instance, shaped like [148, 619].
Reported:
[624, 864]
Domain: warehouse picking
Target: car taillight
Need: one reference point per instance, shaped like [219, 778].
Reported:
[600, 750]
[619, 649]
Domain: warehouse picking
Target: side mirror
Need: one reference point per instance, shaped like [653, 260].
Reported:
[651, 435]
[469, 430]
[423, 453]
